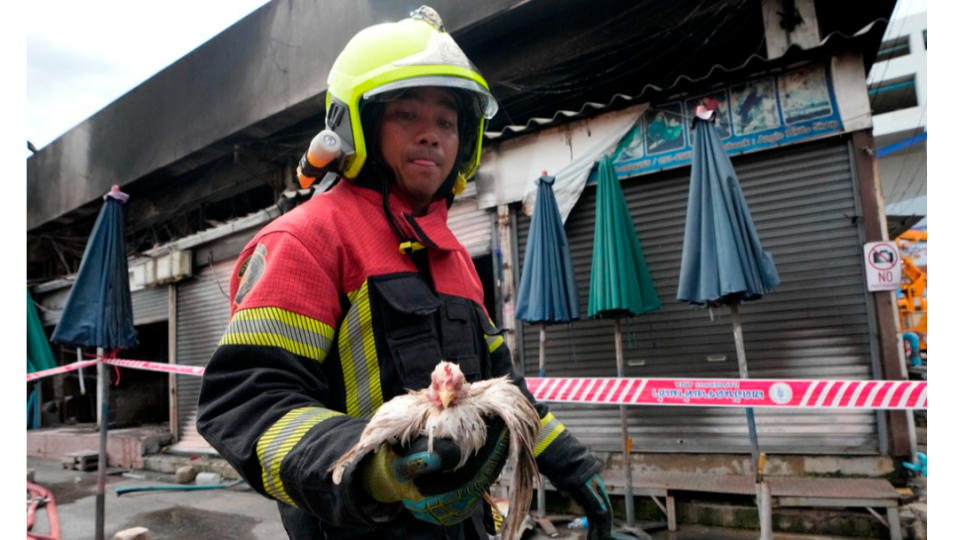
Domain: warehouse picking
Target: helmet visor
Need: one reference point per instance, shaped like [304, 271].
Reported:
[484, 103]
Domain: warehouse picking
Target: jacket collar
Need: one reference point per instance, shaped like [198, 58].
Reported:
[429, 229]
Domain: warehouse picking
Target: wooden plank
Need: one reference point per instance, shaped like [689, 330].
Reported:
[655, 483]
[676, 481]
[828, 502]
[861, 488]
[671, 513]
[895, 528]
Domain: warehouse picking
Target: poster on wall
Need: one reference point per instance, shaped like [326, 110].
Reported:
[765, 112]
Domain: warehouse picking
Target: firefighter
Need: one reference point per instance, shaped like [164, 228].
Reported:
[352, 297]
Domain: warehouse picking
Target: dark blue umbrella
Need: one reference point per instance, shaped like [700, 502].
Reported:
[99, 312]
[547, 287]
[723, 261]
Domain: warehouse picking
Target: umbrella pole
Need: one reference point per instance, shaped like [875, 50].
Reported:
[103, 394]
[744, 374]
[542, 349]
[763, 500]
[627, 442]
[83, 389]
[541, 492]
[37, 416]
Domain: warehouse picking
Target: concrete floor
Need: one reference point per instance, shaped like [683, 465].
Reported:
[223, 514]
[694, 532]
[229, 514]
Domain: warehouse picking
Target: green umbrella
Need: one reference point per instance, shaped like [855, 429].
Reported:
[39, 356]
[619, 283]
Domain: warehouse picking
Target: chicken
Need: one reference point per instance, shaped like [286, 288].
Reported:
[454, 409]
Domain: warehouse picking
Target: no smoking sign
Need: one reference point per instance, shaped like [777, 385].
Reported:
[883, 268]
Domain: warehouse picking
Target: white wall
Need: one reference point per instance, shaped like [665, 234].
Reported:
[903, 174]
[912, 63]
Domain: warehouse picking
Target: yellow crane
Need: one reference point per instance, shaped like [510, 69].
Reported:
[912, 293]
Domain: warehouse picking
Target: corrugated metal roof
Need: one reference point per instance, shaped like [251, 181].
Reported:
[753, 63]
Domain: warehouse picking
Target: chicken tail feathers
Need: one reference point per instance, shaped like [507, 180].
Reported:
[523, 424]
[525, 474]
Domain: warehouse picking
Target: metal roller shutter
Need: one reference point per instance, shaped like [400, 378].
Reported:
[151, 305]
[203, 311]
[470, 224]
[814, 325]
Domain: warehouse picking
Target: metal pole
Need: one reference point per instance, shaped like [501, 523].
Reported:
[764, 502]
[542, 349]
[103, 396]
[627, 462]
[541, 492]
[83, 388]
[37, 416]
[762, 489]
[744, 374]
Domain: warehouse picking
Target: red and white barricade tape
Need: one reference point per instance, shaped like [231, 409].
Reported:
[61, 369]
[179, 369]
[805, 394]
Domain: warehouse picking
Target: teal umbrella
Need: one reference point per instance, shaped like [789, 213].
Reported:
[39, 358]
[723, 261]
[39, 355]
[619, 283]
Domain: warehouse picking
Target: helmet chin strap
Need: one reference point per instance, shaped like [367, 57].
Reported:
[377, 175]
[446, 188]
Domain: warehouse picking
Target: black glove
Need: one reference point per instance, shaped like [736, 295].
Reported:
[592, 496]
[426, 483]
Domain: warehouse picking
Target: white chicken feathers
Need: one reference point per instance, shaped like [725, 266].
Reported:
[454, 409]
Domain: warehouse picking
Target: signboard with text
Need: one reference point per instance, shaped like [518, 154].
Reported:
[883, 268]
[770, 111]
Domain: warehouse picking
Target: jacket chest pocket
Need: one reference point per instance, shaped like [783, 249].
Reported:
[418, 329]
[461, 335]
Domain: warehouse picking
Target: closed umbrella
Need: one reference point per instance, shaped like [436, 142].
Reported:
[723, 261]
[619, 284]
[547, 287]
[98, 312]
[39, 358]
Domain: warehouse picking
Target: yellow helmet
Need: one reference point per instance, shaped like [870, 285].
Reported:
[389, 57]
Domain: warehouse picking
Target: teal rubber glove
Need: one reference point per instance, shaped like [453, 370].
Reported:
[593, 498]
[426, 483]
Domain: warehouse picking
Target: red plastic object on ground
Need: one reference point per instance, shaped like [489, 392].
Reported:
[37, 497]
